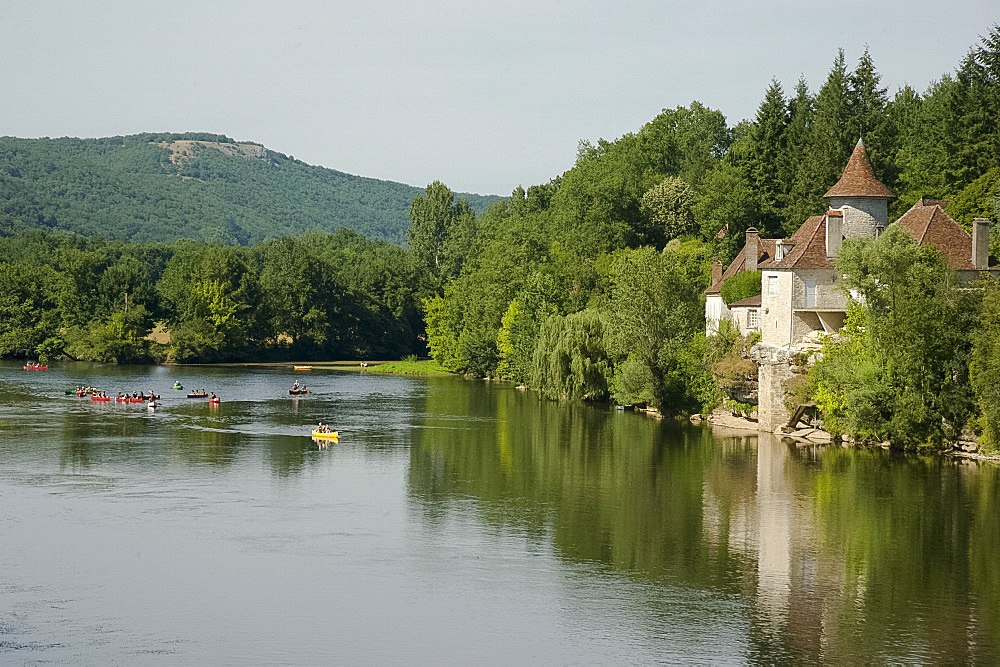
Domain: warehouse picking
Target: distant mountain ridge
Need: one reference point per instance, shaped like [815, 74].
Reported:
[206, 187]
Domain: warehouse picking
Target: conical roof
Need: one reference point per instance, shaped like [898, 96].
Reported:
[859, 178]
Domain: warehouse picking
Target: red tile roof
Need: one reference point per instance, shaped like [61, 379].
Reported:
[809, 251]
[859, 179]
[765, 259]
[930, 224]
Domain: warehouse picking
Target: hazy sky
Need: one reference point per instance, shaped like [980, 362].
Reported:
[483, 96]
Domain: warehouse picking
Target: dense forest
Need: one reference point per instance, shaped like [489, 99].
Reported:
[319, 295]
[590, 286]
[205, 187]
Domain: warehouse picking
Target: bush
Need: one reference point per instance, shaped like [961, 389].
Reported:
[741, 286]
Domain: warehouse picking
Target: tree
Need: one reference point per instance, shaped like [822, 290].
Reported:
[972, 137]
[766, 147]
[29, 310]
[831, 139]
[570, 360]
[670, 208]
[794, 154]
[727, 205]
[901, 372]
[435, 219]
[985, 368]
[741, 286]
[867, 104]
[655, 308]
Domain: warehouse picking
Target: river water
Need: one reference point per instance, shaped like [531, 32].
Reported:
[460, 521]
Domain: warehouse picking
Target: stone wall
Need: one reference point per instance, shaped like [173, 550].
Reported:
[776, 309]
[861, 214]
[774, 368]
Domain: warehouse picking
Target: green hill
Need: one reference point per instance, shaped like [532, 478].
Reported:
[163, 187]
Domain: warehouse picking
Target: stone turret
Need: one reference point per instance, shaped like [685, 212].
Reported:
[861, 196]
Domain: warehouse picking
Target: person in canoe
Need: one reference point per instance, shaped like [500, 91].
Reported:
[178, 385]
[295, 387]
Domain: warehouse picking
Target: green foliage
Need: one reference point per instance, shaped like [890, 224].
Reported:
[655, 308]
[320, 296]
[984, 368]
[741, 286]
[570, 359]
[633, 383]
[442, 332]
[901, 375]
[669, 207]
[441, 232]
[136, 188]
[976, 199]
[29, 310]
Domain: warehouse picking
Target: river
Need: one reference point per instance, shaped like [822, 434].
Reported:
[461, 521]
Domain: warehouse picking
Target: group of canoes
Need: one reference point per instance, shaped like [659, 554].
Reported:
[135, 397]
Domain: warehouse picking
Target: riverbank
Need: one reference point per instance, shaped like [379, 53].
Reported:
[422, 367]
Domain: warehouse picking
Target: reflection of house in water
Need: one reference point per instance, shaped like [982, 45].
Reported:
[796, 593]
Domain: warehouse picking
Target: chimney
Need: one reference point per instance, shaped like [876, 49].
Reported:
[834, 233]
[981, 243]
[716, 270]
[752, 250]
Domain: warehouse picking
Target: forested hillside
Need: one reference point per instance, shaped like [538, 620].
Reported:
[206, 187]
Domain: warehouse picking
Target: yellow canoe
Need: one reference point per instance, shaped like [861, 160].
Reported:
[333, 435]
[302, 368]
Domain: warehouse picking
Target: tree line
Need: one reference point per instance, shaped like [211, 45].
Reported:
[320, 295]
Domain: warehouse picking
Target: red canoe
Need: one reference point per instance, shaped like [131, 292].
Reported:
[36, 368]
[100, 398]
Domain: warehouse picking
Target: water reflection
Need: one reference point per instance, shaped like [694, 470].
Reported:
[835, 554]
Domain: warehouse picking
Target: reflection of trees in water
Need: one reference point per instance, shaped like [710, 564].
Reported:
[843, 554]
[96, 437]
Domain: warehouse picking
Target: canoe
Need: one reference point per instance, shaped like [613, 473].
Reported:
[302, 368]
[296, 392]
[100, 398]
[335, 435]
[178, 387]
[197, 395]
[36, 368]
[215, 400]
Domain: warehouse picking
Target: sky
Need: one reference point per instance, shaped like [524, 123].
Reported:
[483, 96]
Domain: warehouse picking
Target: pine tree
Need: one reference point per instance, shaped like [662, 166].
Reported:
[867, 108]
[766, 146]
[972, 138]
[793, 155]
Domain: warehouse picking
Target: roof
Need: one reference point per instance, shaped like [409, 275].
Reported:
[765, 259]
[809, 247]
[930, 224]
[749, 302]
[859, 179]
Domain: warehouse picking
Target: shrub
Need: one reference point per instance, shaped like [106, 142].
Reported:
[741, 286]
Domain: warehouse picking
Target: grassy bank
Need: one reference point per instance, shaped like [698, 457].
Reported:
[428, 367]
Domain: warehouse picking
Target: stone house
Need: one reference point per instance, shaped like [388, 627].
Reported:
[757, 253]
[800, 299]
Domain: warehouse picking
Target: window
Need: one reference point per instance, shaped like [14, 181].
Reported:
[772, 285]
[810, 293]
[752, 323]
